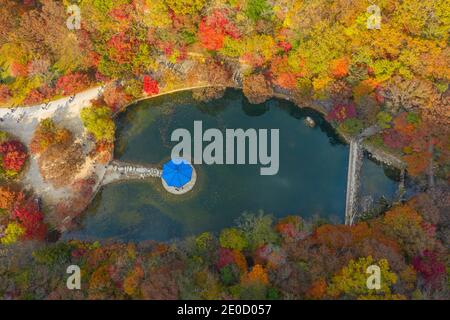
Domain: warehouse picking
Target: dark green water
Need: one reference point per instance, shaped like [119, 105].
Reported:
[311, 178]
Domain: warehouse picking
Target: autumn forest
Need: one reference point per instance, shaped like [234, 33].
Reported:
[376, 71]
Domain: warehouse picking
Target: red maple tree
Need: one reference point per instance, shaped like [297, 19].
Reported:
[150, 85]
[14, 155]
[210, 38]
[32, 219]
[214, 28]
[429, 266]
[286, 46]
[72, 83]
[225, 257]
[122, 47]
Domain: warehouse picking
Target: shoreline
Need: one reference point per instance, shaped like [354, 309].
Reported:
[22, 122]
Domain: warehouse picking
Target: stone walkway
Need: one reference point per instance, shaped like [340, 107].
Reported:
[353, 177]
[120, 171]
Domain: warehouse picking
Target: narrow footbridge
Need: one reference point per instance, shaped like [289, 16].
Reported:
[118, 171]
[353, 176]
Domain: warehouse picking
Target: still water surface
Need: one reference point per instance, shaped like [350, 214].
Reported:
[311, 178]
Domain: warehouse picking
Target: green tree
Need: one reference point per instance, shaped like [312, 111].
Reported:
[384, 119]
[53, 254]
[257, 9]
[233, 238]
[204, 241]
[133, 87]
[98, 122]
[351, 126]
[257, 229]
[229, 274]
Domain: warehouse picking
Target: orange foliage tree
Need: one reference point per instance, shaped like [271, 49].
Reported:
[317, 290]
[8, 197]
[257, 275]
[339, 67]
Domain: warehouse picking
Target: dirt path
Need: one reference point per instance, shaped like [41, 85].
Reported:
[21, 122]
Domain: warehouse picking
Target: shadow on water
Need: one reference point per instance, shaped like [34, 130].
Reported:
[311, 180]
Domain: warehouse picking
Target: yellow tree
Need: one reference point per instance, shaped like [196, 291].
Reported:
[12, 233]
[351, 281]
[186, 7]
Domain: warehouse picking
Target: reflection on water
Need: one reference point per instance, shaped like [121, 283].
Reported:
[311, 179]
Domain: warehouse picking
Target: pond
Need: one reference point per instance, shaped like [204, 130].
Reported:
[311, 180]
